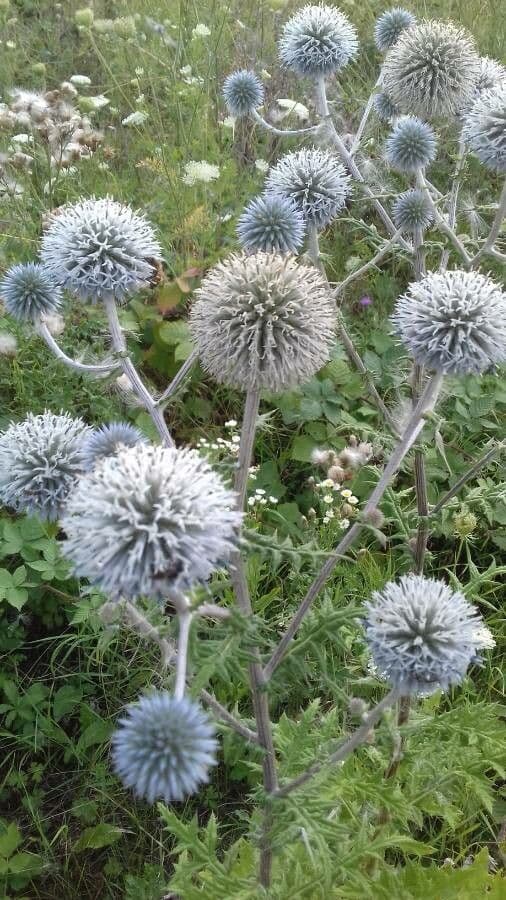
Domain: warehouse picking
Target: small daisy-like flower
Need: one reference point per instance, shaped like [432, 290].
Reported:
[28, 291]
[200, 171]
[385, 109]
[411, 145]
[315, 180]
[271, 223]
[108, 440]
[135, 118]
[346, 494]
[390, 25]
[318, 40]
[243, 92]
[412, 211]
[485, 128]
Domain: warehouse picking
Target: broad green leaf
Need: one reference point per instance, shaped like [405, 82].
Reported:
[65, 699]
[97, 836]
[10, 840]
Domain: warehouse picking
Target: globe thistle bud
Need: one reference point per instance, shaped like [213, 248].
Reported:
[263, 322]
[28, 291]
[422, 635]
[390, 25]
[411, 145]
[315, 180]
[271, 223]
[318, 40]
[485, 128]
[431, 70]
[336, 474]
[163, 748]
[99, 249]
[385, 109]
[40, 461]
[148, 521]
[243, 92]
[412, 211]
[108, 440]
[464, 523]
[454, 322]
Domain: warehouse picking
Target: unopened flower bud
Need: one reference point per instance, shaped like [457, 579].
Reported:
[336, 474]
[374, 517]
[464, 523]
[357, 707]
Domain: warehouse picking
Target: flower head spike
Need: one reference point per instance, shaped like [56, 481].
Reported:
[412, 211]
[390, 25]
[318, 40]
[163, 748]
[422, 635]
[385, 109]
[485, 128]
[99, 249]
[411, 145]
[40, 461]
[491, 74]
[108, 440]
[28, 291]
[149, 521]
[315, 180]
[243, 93]
[431, 70]
[453, 322]
[263, 321]
[271, 223]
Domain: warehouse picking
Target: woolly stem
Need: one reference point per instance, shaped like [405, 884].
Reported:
[495, 229]
[453, 199]
[287, 132]
[467, 476]
[100, 369]
[365, 116]
[178, 379]
[185, 620]
[443, 224]
[369, 265]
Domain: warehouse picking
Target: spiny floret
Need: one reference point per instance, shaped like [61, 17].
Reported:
[411, 145]
[163, 748]
[485, 128]
[385, 109]
[453, 322]
[318, 40]
[108, 440]
[492, 73]
[100, 249]
[390, 25]
[40, 462]
[243, 92]
[271, 223]
[263, 321]
[150, 521]
[28, 291]
[412, 211]
[315, 180]
[431, 70]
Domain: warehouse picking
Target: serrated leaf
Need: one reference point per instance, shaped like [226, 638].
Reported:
[10, 840]
[65, 699]
[97, 836]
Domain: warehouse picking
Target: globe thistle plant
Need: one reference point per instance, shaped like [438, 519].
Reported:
[491, 74]
[454, 322]
[271, 223]
[413, 211]
[28, 291]
[263, 322]
[411, 145]
[40, 462]
[243, 93]
[385, 109]
[390, 25]
[485, 128]
[423, 636]
[108, 440]
[150, 521]
[315, 181]
[100, 249]
[318, 40]
[163, 748]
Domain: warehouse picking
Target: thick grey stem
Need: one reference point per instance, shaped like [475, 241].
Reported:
[283, 132]
[365, 117]
[453, 200]
[99, 369]
[496, 228]
[185, 620]
[369, 265]
[443, 225]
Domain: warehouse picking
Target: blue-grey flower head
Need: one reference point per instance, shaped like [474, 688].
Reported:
[163, 748]
[318, 40]
[385, 109]
[412, 211]
[453, 322]
[243, 92]
[485, 128]
[431, 70]
[423, 636]
[263, 321]
[99, 249]
[150, 521]
[390, 25]
[411, 145]
[271, 223]
[315, 180]
[28, 291]
[40, 461]
[108, 440]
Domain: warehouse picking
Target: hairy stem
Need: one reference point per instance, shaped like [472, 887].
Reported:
[467, 476]
[453, 199]
[495, 229]
[368, 265]
[443, 225]
[365, 116]
[99, 369]
[178, 379]
[185, 620]
[284, 132]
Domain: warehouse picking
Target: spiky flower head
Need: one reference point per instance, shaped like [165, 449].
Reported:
[485, 128]
[28, 291]
[390, 25]
[99, 249]
[263, 322]
[385, 109]
[318, 40]
[411, 145]
[149, 521]
[108, 440]
[412, 211]
[315, 180]
[163, 748]
[423, 636]
[453, 322]
[271, 223]
[491, 73]
[243, 92]
[431, 70]
[40, 461]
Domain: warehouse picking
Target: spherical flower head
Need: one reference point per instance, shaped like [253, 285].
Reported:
[318, 40]
[390, 25]
[315, 181]
[108, 440]
[163, 748]
[100, 249]
[271, 223]
[423, 636]
[150, 521]
[40, 461]
[491, 73]
[263, 321]
[431, 70]
[28, 291]
[453, 322]
[412, 211]
[243, 93]
[485, 128]
[385, 109]
[411, 145]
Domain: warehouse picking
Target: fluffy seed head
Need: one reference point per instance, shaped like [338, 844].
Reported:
[243, 92]
[412, 211]
[99, 249]
[315, 180]
[28, 291]
[40, 461]
[485, 128]
[163, 748]
[453, 322]
[148, 521]
[385, 109]
[317, 40]
[271, 223]
[390, 25]
[108, 440]
[263, 321]
[411, 145]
